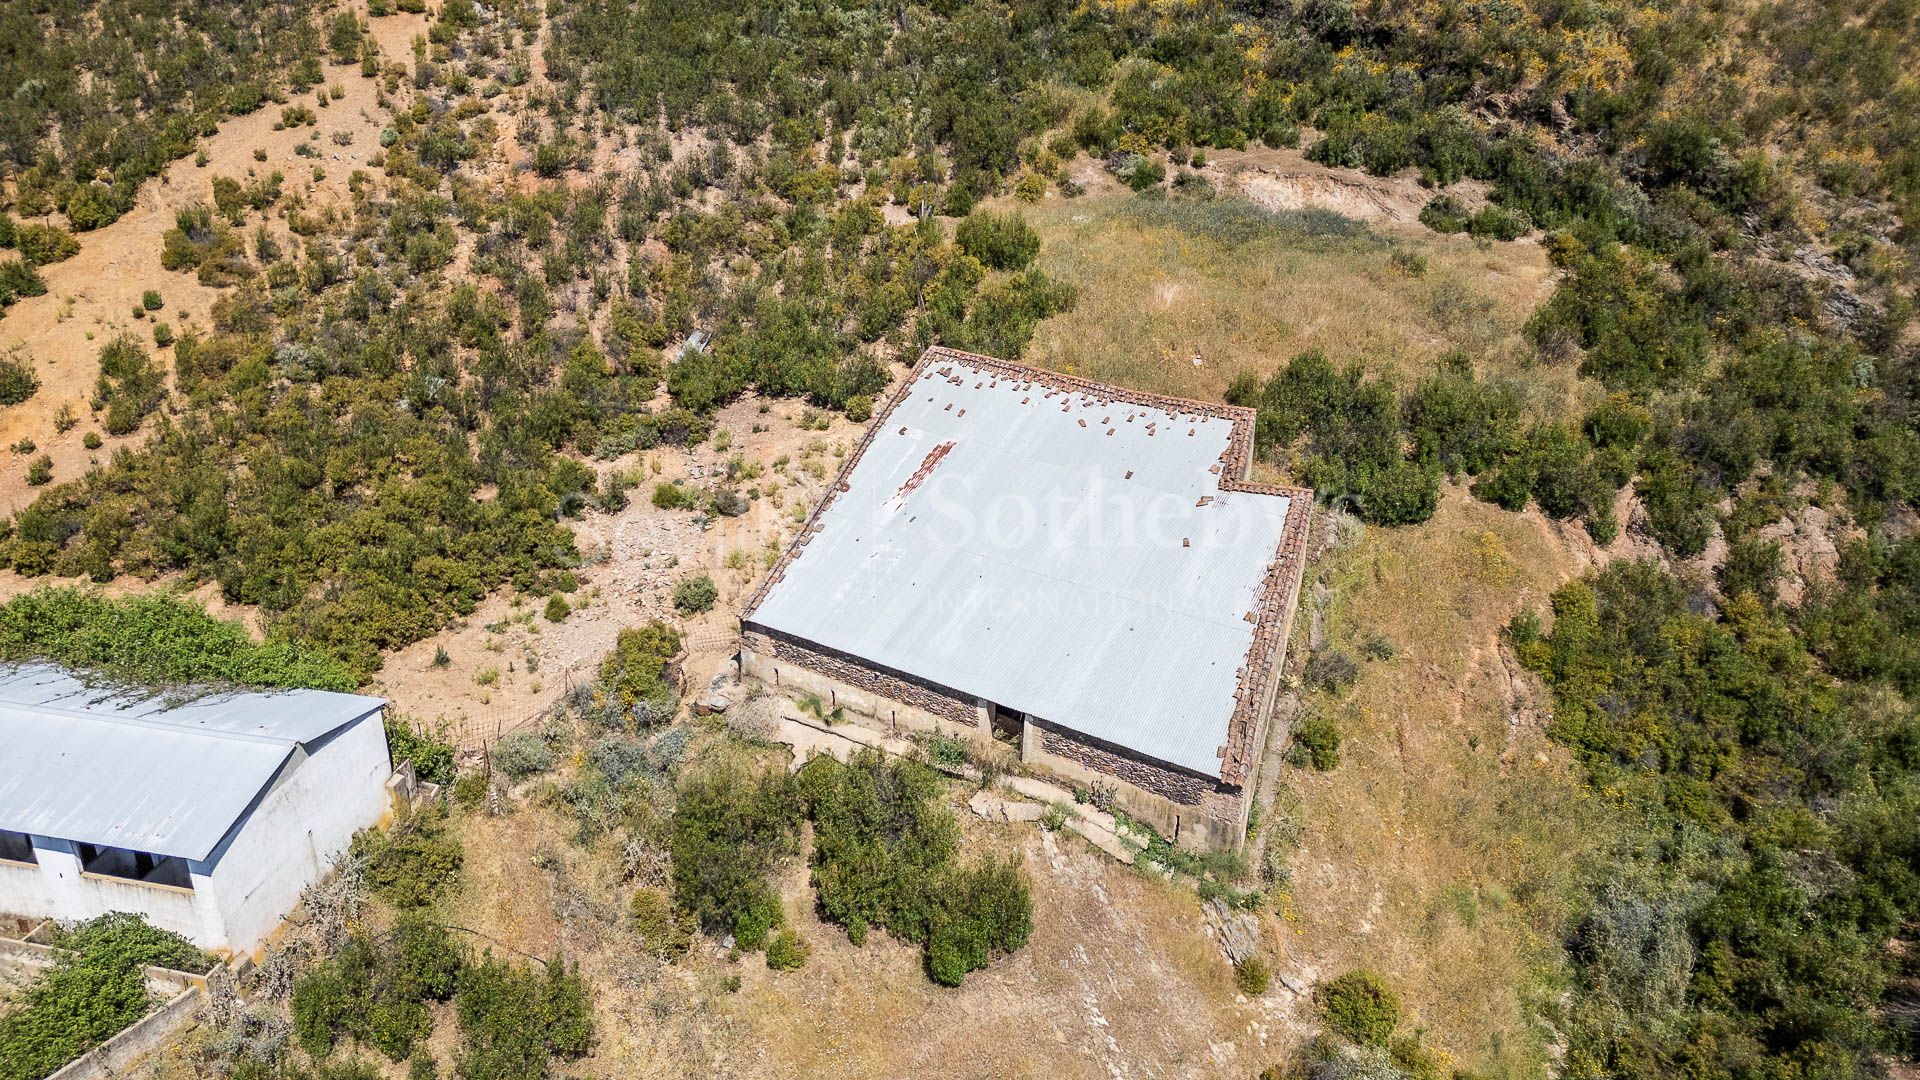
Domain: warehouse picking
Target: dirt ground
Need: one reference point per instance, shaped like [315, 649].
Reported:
[1280, 178]
[633, 559]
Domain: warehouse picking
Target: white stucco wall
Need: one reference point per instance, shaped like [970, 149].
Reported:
[292, 835]
[56, 889]
[289, 838]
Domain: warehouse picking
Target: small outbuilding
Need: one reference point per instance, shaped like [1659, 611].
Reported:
[1080, 570]
[208, 815]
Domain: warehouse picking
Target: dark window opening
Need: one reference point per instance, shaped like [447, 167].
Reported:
[1007, 723]
[16, 847]
[141, 866]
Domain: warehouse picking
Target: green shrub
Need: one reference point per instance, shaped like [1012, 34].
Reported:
[1253, 975]
[89, 206]
[1618, 422]
[658, 926]
[634, 682]
[1443, 213]
[130, 385]
[860, 408]
[18, 278]
[1348, 433]
[45, 244]
[668, 496]
[788, 952]
[151, 300]
[40, 471]
[983, 911]
[162, 335]
[999, 241]
[96, 988]
[731, 830]
[885, 855]
[514, 1020]
[521, 754]
[1316, 743]
[694, 595]
[92, 440]
[415, 862]
[156, 641]
[18, 382]
[377, 990]
[1360, 1007]
[432, 756]
[470, 788]
[557, 608]
[1332, 670]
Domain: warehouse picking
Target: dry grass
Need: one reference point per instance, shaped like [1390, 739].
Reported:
[1160, 282]
[1114, 955]
[1441, 851]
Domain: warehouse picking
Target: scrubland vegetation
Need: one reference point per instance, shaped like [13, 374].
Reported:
[401, 402]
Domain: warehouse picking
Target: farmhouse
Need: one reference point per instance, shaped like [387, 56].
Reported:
[207, 816]
[1083, 571]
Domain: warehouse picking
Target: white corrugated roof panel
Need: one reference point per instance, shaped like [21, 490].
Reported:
[147, 772]
[1025, 566]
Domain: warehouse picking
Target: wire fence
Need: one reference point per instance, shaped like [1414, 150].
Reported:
[480, 731]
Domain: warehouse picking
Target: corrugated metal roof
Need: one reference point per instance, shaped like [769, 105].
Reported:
[151, 773]
[1071, 557]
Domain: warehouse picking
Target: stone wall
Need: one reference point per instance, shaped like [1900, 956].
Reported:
[1181, 787]
[852, 672]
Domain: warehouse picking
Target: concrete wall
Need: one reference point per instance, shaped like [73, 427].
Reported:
[181, 993]
[57, 889]
[285, 841]
[21, 962]
[896, 704]
[1196, 812]
[115, 1056]
[304, 821]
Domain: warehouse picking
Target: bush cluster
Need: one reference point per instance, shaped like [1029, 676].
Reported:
[886, 855]
[731, 829]
[96, 988]
[432, 757]
[636, 681]
[156, 641]
[1723, 722]
[377, 991]
[1365, 447]
[415, 862]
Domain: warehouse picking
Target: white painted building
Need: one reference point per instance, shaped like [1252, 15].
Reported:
[209, 816]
